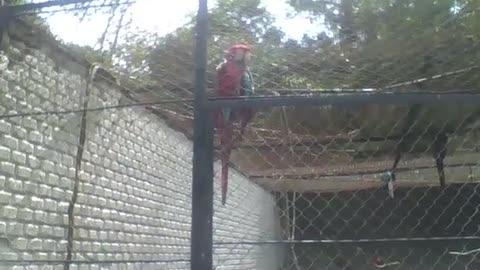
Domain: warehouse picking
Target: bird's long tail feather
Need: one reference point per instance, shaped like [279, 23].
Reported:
[226, 141]
[224, 179]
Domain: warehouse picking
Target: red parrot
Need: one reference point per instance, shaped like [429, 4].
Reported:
[233, 79]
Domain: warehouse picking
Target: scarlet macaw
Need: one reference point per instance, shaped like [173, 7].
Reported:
[233, 79]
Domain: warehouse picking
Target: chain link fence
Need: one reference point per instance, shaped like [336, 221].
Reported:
[361, 152]
[364, 133]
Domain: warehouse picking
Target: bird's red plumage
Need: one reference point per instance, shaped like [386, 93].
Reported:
[229, 84]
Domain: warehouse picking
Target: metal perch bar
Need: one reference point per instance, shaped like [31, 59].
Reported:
[384, 98]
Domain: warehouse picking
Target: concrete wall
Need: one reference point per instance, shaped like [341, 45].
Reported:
[134, 182]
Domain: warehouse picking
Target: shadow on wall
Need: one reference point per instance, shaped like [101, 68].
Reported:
[270, 220]
[418, 212]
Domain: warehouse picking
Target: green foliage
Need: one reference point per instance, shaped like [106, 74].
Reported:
[89, 53]
[231, 22]
[375, 43]
[364, 44]
[15, 2]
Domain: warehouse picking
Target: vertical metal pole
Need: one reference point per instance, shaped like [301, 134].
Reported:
[4, 17]
[202, 186]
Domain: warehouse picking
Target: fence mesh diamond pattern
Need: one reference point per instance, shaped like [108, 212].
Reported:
[354, 146]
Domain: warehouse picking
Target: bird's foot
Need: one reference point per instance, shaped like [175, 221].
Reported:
[442, 180]
[389, 178]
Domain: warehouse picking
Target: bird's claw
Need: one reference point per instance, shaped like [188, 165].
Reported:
[389, 178]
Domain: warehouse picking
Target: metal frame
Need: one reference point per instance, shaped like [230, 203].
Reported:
[201, 257]
[10, 11]
[202, 182]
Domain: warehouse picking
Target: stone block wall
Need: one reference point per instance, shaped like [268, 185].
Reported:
[134, 183]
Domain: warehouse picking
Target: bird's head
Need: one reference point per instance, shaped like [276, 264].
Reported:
[240, 53]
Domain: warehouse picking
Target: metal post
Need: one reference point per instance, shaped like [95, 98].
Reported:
[4, 17]
[202, 186]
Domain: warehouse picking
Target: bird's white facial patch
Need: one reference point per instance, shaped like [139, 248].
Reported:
[241, 54]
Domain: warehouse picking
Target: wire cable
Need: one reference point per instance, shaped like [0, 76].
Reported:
[352, 241]
[112, 107]
[76, 8]
[239, 98]
[37, 262]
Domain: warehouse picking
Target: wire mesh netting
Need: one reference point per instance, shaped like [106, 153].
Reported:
[341, 192]
[357, 185]
[96, 117]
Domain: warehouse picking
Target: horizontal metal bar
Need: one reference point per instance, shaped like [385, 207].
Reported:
[311, 176]
[15, 10]
[351, 241]
[358, 99]
[321, 142]
[75, 8]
